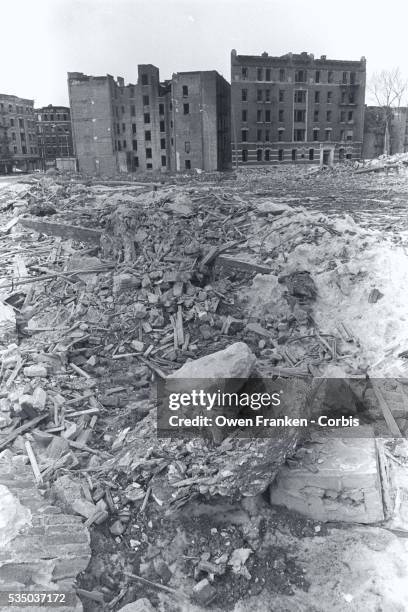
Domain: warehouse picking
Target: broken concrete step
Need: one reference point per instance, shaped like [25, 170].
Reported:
[342, 484]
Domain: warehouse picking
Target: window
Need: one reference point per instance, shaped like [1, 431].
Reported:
[123, 110]
[21, 123]
[280, 154]
[341, 154]
[259, 74]
[134, 145]
[132, 92]
[161, 109]
[185, 91]
[148, 135]
[187, 146]
[119, 145]
[267, 136]
[311, 154]
[351, 97]
[352, 78]
[162, 143]
[123, 127]
[349, 156]
[146, 101]
[280, 135]
[329, 97]
[343, 97]
[186, 109]
[162, 129]
[329, 115]
[345, 77]
[135, 163]
[267, 155]
[300, 76]
[281, 95]
[259, 135]
[300, 96]
[12, 122]
[317, 76]
[146, 117]
[327, 134]
[259, 155]
[267, 95]
[317, 97]
[350, 116]
[294, 151]
[268, 116]
[330, 76]
[349, 135]
[244, 115]
[316, 115]
[244, 135]
[149, 166]
[343, 116]
[342, 135]
[244, 95]
[13, 136]
[259, 95]
[187, 164]
[299, 115]
[163, 160]
[244, 155]
[280, 114]
[145, 79]
[268, 74]
[24, 149]
[133, 128]
[259, 115]
[244, 72]
[299, 135]
[124, 144]
[148, 154]
[282, 74]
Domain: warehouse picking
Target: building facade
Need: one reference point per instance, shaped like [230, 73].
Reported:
[18, 136]
[118, 128]
[296, 109]
[53, 134]
[150, 125]
[201, 121]
[385, 136]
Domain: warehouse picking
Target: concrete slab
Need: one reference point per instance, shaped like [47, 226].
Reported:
[338, 481]
[49, 550]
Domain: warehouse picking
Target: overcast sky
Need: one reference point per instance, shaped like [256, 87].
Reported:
[41, 40]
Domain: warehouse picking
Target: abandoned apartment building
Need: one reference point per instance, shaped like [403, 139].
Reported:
[54, 134]
[18, 137]
[179, 124]
[296, 108]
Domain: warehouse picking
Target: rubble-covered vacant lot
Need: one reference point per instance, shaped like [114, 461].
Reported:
[107, 287]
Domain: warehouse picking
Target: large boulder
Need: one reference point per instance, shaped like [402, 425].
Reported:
[236, 361]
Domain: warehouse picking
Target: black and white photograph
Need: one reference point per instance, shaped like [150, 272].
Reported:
[203, 306]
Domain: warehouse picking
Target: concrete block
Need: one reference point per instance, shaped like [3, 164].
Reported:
[344, 485]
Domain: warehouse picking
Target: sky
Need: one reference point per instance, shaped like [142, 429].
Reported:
[42, 40]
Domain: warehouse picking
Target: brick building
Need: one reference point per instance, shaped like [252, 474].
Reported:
[150, 125]
[296, 108]
[19, 147]
[118, 128]
[201, 124]
[53, 134]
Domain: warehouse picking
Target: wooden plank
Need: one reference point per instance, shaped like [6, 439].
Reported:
[392, 425]
[74, 232]
[238, 264]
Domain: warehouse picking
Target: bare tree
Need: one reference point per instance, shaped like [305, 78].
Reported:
[388, 88]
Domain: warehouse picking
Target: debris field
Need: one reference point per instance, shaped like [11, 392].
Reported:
[109, 287]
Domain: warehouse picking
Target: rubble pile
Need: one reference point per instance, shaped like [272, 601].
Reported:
[108, 288]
